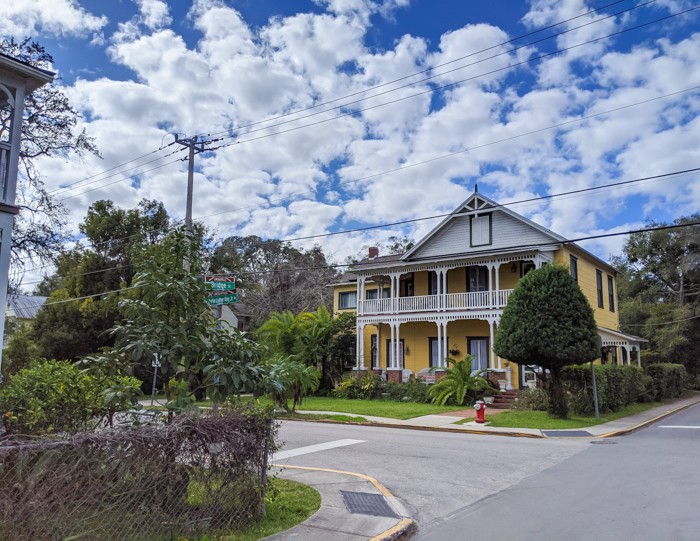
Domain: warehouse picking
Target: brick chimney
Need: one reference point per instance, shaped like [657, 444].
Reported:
[373, 252]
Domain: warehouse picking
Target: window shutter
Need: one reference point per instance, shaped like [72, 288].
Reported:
[480, 231]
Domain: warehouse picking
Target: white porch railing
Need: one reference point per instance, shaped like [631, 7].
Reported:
[432, 303]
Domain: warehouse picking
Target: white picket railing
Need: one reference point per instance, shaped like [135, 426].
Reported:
[432, 303]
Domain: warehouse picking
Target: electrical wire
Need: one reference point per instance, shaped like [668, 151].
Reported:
[343, 265]
[404, 167]
[113, 168]
[659, 324]
[438, 75]
[442, 87]
[367, 89]
[418, 72]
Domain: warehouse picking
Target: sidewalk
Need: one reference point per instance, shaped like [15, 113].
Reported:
[619, 427]
[353, 507]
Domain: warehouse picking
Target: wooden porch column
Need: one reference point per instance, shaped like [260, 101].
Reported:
[492, 358]
[392, 350]
[378, 362]
[498, 286]
[399, 360]
[357, 346]
[361, 363]
[444, 345]
[490, 285]
[439, 337]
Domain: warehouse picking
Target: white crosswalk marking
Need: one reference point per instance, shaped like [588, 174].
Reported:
[678, 426]
[282, 455]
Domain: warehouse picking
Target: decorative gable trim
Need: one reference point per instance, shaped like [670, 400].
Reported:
[474, 205]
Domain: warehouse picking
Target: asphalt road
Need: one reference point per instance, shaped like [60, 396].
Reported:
[462, 486]
[645, 486]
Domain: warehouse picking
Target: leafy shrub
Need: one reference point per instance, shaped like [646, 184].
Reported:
[531, 400]
[56, 396]
[618, 386]
[21, 352]
[667, 380]
[459, 384]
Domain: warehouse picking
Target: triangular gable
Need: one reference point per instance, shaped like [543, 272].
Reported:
[452, 235]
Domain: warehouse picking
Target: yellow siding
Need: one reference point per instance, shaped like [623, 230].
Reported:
[587, 267]
[507, 278]
[336, 295]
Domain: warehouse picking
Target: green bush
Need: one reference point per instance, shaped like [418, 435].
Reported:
[531, 400]
[371, 387]
[56, 396]
[21, 352]
[667, 380]
[618, 386]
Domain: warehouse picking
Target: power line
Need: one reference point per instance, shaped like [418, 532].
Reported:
[659, 324]
[448, 85]
[442, 216]
[342, 265]
[373, 87]
[404, 167]
[436, 75]
[115, 167]
[419, 72]
[121, 179]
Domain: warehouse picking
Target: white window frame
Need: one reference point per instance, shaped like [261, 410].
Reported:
[347, 295]
[480, 230]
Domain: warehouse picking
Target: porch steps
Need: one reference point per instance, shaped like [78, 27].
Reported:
[503, 400]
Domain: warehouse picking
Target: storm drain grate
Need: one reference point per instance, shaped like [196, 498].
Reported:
[362, 503]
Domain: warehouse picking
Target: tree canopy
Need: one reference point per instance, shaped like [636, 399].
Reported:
[548, 323]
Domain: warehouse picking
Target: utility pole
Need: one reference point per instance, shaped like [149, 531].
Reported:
[190, 143]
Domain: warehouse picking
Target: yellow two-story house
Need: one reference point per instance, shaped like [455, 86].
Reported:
[445, 296]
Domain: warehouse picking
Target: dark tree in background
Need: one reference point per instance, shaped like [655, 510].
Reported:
[659, 290]
[548, 323]
[72, 330]
[48, 130]
[266, 273]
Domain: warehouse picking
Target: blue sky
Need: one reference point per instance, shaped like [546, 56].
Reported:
[140, 69]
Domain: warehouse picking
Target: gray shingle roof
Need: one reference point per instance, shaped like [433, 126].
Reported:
[24, 306]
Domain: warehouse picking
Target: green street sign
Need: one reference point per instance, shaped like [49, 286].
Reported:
[223, 299]
[219, 283]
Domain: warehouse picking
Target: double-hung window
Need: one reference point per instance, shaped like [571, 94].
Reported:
[574, 267]
[347, 300]
[599, 284]
[611, 294]
[371, 294]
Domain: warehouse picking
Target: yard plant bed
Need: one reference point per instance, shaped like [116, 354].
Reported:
[541, 420]
[288, 503]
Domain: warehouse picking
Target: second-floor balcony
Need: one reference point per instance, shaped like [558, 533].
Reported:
[479, 300]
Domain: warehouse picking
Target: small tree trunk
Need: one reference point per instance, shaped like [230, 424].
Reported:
[557, 407]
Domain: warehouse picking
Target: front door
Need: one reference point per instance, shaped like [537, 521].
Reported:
[479, 348]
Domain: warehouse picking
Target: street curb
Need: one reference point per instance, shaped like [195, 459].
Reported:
[640, 426]
[416, 427]
[406, 526]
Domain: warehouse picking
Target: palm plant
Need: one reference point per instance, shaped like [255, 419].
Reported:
[282, 330]
[457, 382]
[297, 380]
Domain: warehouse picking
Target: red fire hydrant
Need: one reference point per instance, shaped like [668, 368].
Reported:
[480, 409]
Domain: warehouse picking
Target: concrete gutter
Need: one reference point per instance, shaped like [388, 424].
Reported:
[333, 520]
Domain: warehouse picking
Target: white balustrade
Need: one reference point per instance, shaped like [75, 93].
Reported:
[478, 300]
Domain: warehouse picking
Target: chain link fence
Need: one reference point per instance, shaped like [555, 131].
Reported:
[200, 473]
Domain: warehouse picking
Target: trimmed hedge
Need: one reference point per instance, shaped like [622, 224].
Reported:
[667, 380]
[618, 386]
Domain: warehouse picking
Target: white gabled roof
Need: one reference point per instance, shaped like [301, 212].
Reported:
[478, 203]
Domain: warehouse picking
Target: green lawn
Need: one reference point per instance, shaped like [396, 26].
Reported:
[376, 408]
[323, 417]
[540, 419]
[292, 505]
